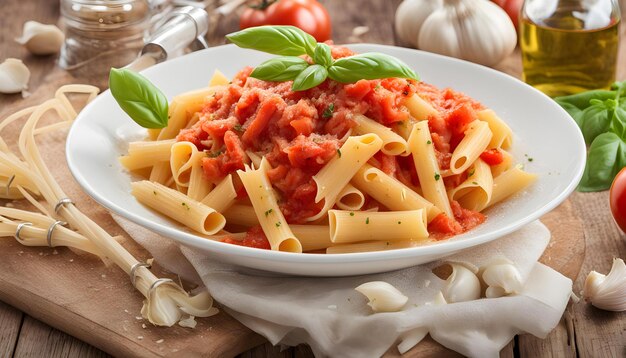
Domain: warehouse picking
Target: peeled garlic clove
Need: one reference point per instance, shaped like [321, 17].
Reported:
[494, 292]
[14, 76]
[506, 277]
[382, 296]
[462, 285]
[40, 39]
[607, 292]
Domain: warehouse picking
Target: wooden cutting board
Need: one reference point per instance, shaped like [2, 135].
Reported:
[79, 295]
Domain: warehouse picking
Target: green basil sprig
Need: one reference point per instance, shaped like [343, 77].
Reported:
[290, 42]
[601, 116]
[139, 98]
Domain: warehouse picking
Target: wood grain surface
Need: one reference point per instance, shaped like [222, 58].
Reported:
[592, 332]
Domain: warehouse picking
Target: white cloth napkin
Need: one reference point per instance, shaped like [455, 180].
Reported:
[334, 319]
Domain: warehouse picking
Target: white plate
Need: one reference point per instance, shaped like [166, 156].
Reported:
[543, 131]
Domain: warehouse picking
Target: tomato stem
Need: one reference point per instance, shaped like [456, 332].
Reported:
[264, 4]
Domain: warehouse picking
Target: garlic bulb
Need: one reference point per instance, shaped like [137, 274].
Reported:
[382, 296]
[14, 76]
[475, 30]
[40, 39]
[607, 292]
[502, 279]
[462, 285]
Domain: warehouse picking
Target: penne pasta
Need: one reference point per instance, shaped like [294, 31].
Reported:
[393, 144]
[391, 192]
[241, 215]
[183, 156]
[222, 196]
[271, 219]
[334, 176]
[146, 153]
[507, 163]
[419, 108]
[312, 237]
[508, 183]
[199, 185]
[178, 206]
[479, 183]
[502, 133]
[354, 226]
[477, 138]
[423, 150]
[161, 173]
[350, 198]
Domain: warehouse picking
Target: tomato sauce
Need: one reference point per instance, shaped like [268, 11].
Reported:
[299, 132]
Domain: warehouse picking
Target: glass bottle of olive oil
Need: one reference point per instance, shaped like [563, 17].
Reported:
[569, 46]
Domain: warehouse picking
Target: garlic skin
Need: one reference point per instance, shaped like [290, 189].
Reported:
[41, 39]
[382, 296]
[607, 292]
[503, 279]
[14, 76]
[410, 16]
[462, 285]
[474, 30]
[168, 303]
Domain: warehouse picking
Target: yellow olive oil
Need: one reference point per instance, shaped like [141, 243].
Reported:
[562, 56]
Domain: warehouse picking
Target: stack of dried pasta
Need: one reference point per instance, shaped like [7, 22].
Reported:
[177, 188]
[24, 175]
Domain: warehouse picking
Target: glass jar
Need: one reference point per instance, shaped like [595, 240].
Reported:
[569, 46]
[103, 33]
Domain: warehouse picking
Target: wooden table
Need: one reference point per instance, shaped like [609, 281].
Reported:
[596, 333]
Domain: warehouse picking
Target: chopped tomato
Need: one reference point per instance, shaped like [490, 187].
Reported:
[255, 237]
[492, 156]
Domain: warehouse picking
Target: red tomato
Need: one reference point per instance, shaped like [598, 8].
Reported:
[308, 15]
[492, 156]
[617, 199]
[512, 8]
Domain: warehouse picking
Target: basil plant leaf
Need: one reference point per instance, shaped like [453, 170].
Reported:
[618, 123]
[607, 156]
[595, 120]
[139, 98]
[277, 40]
[369, 66]
[279, 69]
[312, 76]
[575, 104]
[322, 55]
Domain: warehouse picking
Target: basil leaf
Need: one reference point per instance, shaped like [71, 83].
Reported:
[595, 121]
[607, 156]
[277, 40]
[581, 100]
[369, 66]
[618, 123]
[309, 78]
[322, 55]
[279, 69]
[139, 98]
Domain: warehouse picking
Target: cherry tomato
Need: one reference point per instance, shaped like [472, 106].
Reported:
[512, 8]
[308, 15]
[617, 199]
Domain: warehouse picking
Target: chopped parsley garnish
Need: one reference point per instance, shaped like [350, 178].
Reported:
[186, 206]
[278, 224]
[475, 183]
[214, 154]
[269, 212]
[339, 152]
[351, 214]
[429, 142]
[471, 172]
[530, 159]
[154, 192]
[238, 128]
[437, 176]
[367, 220]
[328, 112]
[399, 222]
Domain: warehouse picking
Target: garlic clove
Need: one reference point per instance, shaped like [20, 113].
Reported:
[382, 296]
[462, 285]
[14, 76]
[502, 279]
[41, 39]
[494, 292]
[607, 292]
[410, 16]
